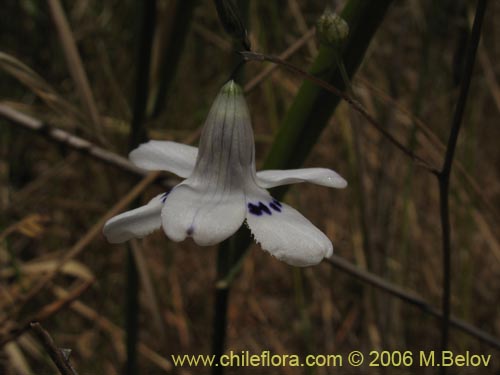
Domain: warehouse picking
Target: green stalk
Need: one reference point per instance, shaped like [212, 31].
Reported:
[313, 106]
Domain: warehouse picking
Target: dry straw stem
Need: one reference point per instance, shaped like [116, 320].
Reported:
[17, 359]
[67, 139]
[75, 64]
[61, 362]
[40, 88]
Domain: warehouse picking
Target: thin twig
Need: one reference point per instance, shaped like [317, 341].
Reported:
[253, 56]
[294, 47]
[55, 353]
[444, 174]
[439, 146]
[76, 143]
[65, 138]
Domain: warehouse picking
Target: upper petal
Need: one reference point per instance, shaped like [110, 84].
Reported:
[284, 232]
[319, 176]
[136, 223]
[168, 156]
[208, 215]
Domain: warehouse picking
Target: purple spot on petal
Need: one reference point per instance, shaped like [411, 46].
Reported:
[164, 196]
[275, 207]
[277, 203]
[190, 231]
[264, 208]
[254, 210]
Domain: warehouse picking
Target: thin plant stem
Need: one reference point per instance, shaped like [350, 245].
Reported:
[138, 130]
[445, 173]
[171, 52]
[224, 264]
[132, 310]
[75, 64]
[138, 134]
[60, 360]
[253, 56]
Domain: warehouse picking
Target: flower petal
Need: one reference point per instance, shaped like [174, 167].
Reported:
[285, 233]
[208, 215]
[165, 156]
[320, 176]
[136, 223]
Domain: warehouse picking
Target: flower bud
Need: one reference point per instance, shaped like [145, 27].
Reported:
[332, 30]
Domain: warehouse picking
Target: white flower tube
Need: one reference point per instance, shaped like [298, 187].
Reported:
[222, 190]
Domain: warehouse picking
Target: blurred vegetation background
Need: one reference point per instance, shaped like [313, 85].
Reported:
[386, 222]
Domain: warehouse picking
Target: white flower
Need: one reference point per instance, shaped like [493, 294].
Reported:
[221, 190]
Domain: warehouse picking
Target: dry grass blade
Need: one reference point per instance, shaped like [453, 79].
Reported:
[72, 268]
[40, 88]
[75, 64]
[17, 359]
[31, 226]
